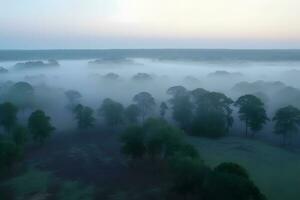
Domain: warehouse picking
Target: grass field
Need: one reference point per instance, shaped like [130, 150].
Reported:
[92, 161]
[275, 170]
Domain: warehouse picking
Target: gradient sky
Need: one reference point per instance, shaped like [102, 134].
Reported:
[47, 24]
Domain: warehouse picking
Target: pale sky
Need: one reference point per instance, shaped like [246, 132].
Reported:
[48, 24]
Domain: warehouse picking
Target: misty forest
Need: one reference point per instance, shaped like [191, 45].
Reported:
[150, 124]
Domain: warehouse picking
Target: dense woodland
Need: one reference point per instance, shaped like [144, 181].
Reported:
[152, 136]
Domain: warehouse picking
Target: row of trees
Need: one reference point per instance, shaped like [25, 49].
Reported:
[12, 142]
[198, 112]
[185, 171]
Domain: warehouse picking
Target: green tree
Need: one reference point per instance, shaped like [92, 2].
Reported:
[162, 140]
[133, 140]
[182, 106]
[132, 113]
[8, 155]
[20, 135]
[84, 116]
[188, 175]
[39, 126]
[229, 181]
[212, 114]
[145, 102]
[8, 116]
[252, 112]
[22, 95]
[232, 168]
[112, 112]
[73, 97]
[163, 109]
[287, 121]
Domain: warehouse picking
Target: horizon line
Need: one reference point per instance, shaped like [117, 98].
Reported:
[106, 49]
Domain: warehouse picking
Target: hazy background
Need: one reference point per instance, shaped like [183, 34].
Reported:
[32, 24]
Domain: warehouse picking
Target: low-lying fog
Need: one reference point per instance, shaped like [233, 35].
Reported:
[276, 83]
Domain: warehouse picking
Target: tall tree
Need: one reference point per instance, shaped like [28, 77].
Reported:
[252, 112]
[132, 113]
[73, 97]
[287, 121]
[145, 102]
[22, 95]
[39, 126]
[182, 106]
[8, 115]
[212, 115]
[84, 116]
[133, 140]
[112, 112]
[163, 109]
[20, 135]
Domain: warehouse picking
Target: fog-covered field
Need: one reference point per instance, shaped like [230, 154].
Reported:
[275, 82]
[88, 161]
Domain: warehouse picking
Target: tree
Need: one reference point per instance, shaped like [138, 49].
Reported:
[145, 102]
[230, 181]
[163, 108]
[287, 121]
[181, 105]
[133, 140]
[162, 139]
[229, 186]
[252, 112]
[8, 155]
[112, 112]
[39, 126]
[232, 168]
[212, 114]
[8, 115]
[20, 135]
[132, 113]
[22, 95]
[73, 97]
[84, 116]
[188, 175]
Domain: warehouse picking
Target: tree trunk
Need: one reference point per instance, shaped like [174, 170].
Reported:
[246, 127]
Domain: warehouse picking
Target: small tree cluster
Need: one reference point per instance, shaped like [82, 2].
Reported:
[252, 112]
[84, 116]
[155, 139]
[13, 143]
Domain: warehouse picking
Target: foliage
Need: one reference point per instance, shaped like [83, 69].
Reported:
[188, 175]
[156, 139]
[145, 102]
[8, 155]
[112, 112]
[22, 95]
[252, 112]
[8, 115]
[39, 126]
[212, 113]
[20, 135]
[162, 139]
[84, 116]
[73, 97]
[133, 142]
[287, 121]
[229, 186]
[132, 113]
[232, 168]
[163, 108]
[181, 105]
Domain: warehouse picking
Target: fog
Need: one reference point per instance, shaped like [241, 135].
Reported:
[276, 83]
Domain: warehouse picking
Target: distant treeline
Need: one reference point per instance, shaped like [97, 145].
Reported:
[161, 54]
